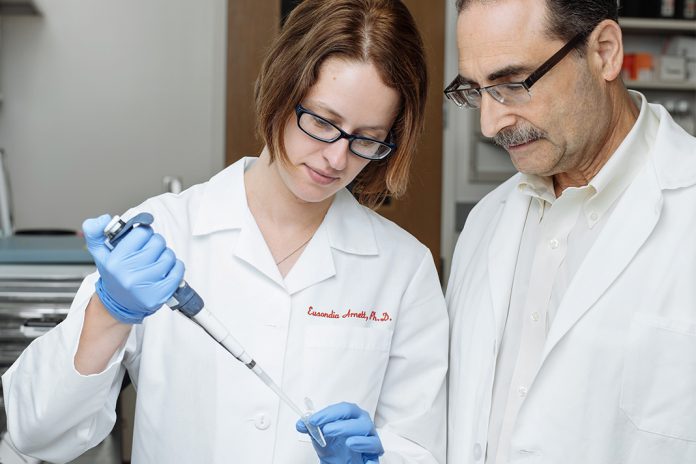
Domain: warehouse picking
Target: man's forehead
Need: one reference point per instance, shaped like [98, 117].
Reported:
[504, 21]
[491, 36]
[478, 59]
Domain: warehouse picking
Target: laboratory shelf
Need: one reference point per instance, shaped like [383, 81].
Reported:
[660, 85]
[657, 25]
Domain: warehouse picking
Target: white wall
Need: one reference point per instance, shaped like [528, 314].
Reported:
[459, 141]
[103, 98]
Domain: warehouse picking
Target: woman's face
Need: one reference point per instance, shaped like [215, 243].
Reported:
[351, 95]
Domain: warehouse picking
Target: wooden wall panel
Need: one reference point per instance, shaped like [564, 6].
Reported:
[252, 25]
[419, 211]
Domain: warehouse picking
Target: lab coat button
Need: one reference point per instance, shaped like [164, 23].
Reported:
[535, 316]
[478, 452]
[553, 243]
[594, 216]
[262, 422]
[522, 391]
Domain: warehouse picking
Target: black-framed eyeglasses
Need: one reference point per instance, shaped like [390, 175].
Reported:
[325, 131]
[508, 93]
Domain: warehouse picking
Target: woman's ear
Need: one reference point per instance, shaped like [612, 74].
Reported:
[605, 47]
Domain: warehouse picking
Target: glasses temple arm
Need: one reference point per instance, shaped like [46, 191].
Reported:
[553, 61]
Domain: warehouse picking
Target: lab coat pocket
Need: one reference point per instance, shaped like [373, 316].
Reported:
[345, 364]
[658, 390]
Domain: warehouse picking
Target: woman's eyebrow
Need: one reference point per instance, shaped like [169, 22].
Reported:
[337, 118]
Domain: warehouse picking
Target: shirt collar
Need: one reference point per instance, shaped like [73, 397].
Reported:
[540, 189]
[223, 205]
[537, 187]
[623, 166]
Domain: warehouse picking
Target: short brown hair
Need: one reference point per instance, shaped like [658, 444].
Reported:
[381, 32]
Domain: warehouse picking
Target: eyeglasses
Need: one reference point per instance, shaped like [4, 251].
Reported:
[509, 93]
[325, 131]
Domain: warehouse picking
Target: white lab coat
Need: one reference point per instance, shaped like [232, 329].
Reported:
[196, 403]
[617, 383]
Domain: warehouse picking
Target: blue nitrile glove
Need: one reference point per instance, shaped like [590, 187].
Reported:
[350, 435]
[138, 276]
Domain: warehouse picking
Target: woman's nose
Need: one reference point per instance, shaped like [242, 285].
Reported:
[337, 153]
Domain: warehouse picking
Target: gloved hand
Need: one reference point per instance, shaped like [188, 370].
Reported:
[138, 276]
[350, 435]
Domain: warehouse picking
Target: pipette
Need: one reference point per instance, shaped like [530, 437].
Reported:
[189, 303]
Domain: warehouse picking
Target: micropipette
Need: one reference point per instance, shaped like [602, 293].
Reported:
[189, 303]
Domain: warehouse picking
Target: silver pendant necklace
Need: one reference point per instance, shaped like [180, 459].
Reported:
[295, 250]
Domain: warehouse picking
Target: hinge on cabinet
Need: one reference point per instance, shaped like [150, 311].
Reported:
[18, 8]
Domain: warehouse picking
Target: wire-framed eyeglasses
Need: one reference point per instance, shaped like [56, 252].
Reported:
[508, 93]
[325, 131]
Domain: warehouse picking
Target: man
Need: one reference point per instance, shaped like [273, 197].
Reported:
[573, 291]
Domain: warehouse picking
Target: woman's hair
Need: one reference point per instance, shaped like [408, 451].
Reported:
[380, 32]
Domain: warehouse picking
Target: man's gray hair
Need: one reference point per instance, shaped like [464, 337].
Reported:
[567, 18]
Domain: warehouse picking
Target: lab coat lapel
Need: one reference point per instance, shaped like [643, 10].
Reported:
[252, 248]
[502, 254]
[628, 228]
[314, 265]
[347, 228]
[223, 206]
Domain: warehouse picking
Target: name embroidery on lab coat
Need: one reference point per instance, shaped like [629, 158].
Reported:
[350, 314]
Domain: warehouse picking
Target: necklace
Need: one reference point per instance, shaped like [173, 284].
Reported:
[295, 250]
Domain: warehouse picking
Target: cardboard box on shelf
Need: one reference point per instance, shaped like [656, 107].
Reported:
[643, 64]
[672, 68]
[681, 45]
[628, 68]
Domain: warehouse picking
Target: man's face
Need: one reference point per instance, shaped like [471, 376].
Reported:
[504, 41]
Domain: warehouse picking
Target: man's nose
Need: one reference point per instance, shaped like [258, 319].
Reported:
[494, 116]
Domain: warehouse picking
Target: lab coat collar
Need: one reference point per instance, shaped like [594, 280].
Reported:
[672, 153]
[671, 166]
[503, 252]
[347, 227]
[633, 220]
[224, 206]
[223, 203]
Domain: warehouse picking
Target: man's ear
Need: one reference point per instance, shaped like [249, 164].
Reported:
[605, 49]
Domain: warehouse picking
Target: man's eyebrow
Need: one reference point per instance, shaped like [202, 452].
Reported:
[507, 71]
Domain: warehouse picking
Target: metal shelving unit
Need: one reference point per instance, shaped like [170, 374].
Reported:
[652, 36]
[661, 85]
[657, 25]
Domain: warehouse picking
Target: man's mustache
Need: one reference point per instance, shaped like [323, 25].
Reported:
[518, 135]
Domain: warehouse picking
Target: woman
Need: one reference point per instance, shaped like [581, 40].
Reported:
[335, 302]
